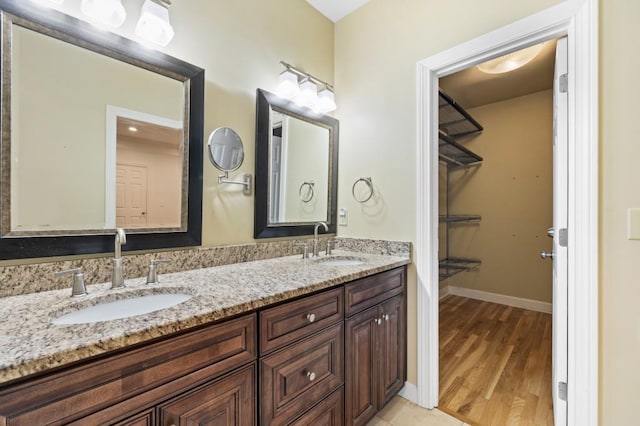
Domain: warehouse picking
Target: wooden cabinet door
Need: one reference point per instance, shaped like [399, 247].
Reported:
[391, 349]
[361, 332]
[229, 401]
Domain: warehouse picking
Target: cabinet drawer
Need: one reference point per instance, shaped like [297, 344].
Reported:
[370, 291]
[327, 413]
[301, 375]
[146, 418]
[79, 391]
[292, 321]
[227, 401]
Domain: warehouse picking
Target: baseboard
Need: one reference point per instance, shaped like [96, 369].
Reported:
[409, 392]
[517, 302]
[444, 292]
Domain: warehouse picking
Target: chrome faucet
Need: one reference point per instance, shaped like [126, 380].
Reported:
[315, 236]
[117, 275]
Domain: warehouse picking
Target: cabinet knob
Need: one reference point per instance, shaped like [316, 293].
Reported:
[386, 317]
[378, 321]
[311, 317]
[311, 375]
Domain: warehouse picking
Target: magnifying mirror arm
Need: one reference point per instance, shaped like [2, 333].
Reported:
[246, 182]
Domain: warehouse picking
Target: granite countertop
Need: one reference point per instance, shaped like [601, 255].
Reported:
[30, 343]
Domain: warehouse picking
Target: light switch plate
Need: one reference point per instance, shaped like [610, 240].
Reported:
[343, 217]
[633, 227]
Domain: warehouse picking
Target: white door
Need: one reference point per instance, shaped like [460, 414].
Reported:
[559, 232]
[131, 196]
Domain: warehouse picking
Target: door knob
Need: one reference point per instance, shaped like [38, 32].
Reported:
[545, 255]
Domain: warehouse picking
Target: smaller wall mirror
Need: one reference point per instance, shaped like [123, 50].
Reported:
[226, 151]
[296, 168]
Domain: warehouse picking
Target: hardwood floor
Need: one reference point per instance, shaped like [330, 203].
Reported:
[495, 363]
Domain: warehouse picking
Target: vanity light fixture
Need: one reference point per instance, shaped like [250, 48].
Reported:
[511, 61]
[288, 86]
[107, 12]
[308, 93]
[326, 100]
[154, 25]
[302, 88]
[48, 2]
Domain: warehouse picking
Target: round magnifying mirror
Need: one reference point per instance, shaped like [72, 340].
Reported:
[225, 149]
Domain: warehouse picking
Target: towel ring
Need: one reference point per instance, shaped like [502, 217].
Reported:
[309, 194]
[367, 181]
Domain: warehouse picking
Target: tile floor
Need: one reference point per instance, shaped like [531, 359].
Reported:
[400, 412]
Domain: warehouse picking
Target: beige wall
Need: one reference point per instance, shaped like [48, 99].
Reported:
[377, 48]
[513, 192]
[619, 177]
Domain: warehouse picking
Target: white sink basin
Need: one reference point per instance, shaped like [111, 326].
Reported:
[341, 261]
[124, 308]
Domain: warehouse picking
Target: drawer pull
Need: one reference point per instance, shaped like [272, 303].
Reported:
[311, 317]
[311, 375]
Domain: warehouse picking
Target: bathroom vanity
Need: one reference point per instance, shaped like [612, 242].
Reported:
[325, 344]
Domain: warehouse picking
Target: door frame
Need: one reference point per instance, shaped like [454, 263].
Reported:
[578, 19]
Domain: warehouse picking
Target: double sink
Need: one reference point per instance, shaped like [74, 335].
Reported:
[145, 304]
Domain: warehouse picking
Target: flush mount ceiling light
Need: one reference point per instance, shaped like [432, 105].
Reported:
[154, 25]
[106, 12]
[511, 61]
[305, 92]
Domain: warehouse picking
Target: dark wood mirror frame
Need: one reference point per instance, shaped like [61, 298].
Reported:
[85, 35]
[265, 102]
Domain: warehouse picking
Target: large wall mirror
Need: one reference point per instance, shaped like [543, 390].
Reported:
[98, 133]
[296, 168]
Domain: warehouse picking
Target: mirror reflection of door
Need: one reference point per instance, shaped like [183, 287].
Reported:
[275, 192]
[131, 196]
[148, 174]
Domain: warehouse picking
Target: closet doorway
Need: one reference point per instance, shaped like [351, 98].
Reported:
[578, 21]
[502, 127]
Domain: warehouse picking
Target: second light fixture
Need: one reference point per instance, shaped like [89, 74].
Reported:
[302, 88]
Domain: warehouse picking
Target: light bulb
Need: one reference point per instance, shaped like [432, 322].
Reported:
[107, 12]
[308, 96]
[326, 101]
[510, 61]
[288, 86]
[154, 25]
[48, 2]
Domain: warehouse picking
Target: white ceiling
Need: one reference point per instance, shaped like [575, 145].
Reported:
[336, 9]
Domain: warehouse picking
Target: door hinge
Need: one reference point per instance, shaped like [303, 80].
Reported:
[562, 390]
[563, 237]
[564, 83]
